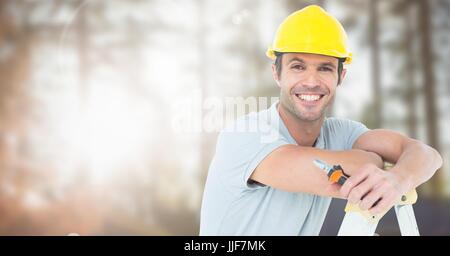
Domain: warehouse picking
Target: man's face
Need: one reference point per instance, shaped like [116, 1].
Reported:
[308, 84]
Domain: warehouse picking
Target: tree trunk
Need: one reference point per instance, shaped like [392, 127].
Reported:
[83, 89]
[411, 101]
[429, 87]
[321, 3]
[82, 48]
[375, 53]
[295, 5]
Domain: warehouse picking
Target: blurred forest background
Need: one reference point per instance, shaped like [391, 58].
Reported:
[88, 90]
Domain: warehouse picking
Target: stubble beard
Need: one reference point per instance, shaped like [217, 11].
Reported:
[288, 103]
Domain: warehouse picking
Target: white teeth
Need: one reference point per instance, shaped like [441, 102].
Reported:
[308, 97]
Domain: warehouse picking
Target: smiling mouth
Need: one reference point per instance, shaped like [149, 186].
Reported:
[309, 97]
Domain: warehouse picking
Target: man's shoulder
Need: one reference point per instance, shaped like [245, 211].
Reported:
[338, 119]
[341, 133]
[339, 122]
[250, 122]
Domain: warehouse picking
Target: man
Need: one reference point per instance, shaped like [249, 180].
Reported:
[257, 186]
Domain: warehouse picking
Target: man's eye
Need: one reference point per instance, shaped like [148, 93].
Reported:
[298, 67]
[325, 69]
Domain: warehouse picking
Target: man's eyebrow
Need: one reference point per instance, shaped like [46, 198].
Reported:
[296, 59]
[329, 64]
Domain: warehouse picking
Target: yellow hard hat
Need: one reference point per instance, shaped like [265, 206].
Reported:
[311, 30]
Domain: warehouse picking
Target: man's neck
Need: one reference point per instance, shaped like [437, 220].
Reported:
[305, 133]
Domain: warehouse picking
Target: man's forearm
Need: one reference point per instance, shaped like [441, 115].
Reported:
[416, 164]
[291, 168]
[352, 160]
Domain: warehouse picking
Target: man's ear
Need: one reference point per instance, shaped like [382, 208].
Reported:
[275, 75]
[344, 71]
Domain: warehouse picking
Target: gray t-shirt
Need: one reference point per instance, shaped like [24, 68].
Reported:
[234, 206]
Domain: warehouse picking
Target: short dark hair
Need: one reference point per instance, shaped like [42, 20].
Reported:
[279, 58]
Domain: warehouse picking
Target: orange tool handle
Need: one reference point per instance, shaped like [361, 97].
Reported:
[337, 175]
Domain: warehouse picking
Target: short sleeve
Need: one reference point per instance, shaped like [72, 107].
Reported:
[345, 132]
[238, 153]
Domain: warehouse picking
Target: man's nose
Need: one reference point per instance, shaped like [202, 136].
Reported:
[311, 79]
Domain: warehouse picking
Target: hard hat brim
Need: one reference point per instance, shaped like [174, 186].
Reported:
[348, 57]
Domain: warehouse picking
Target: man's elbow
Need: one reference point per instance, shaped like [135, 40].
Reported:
[439, 161]
[433, 154]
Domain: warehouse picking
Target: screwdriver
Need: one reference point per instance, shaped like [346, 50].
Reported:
[335, 173]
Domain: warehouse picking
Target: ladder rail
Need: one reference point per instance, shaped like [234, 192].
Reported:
[361, 227]
[406, 220]
[355, 223]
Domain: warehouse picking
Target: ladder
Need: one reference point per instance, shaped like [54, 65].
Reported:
[357, 222]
